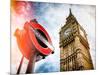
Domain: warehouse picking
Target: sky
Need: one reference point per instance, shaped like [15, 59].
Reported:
[52, 16]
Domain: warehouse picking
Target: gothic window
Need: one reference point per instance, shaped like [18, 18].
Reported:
[69, 50]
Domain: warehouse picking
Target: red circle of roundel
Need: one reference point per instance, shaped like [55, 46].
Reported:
[44, 51]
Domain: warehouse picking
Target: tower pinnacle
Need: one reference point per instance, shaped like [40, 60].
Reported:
[70, 12]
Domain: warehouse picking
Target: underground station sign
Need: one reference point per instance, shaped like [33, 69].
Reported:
[34, 42]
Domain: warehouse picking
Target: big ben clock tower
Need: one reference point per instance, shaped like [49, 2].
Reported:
[74, 46]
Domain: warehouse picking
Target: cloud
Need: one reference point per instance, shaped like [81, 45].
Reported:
[45, 68]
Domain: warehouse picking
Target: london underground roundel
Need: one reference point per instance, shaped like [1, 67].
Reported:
[33, 38]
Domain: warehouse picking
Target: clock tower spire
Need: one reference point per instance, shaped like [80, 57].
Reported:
[70, 11]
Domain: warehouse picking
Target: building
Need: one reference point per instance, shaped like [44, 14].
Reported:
[74, 46]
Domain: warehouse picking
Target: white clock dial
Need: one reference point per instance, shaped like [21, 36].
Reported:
[67, 31]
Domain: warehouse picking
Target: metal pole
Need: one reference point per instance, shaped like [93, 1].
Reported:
[20, 65]
[31, 64]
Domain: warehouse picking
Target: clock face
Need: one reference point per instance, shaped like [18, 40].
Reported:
[67, 32]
